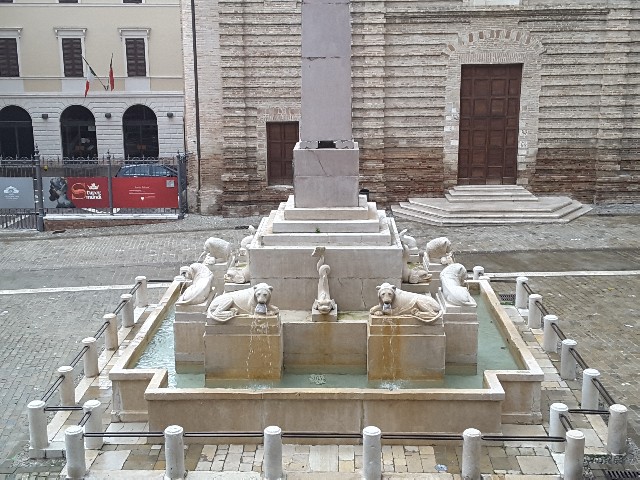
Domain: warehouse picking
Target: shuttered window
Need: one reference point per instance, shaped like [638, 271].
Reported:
[9, 57]
[72, 57]
[136, 61]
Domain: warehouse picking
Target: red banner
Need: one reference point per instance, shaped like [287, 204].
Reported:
[88, 192]
[145, 192]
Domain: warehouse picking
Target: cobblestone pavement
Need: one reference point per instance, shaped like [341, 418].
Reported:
[42, 331]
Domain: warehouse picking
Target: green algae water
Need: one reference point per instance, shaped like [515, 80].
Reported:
[493, 354]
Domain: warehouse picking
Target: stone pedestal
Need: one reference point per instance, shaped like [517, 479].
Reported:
[332, 316]
[218, 270]
[405, 348]
[461, 327]
[188, 331]
[244, 347]
[434, 270]
[422, 288]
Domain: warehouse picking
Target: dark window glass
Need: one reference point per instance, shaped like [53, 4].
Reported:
[72, 57]
[140, 132]
[6, 1]
[16, 133]
[78, 131]
[67, 1]
[9, 57]
[131, 1]
[136, 61]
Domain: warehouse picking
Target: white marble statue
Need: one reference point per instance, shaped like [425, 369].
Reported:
[238, 275]
[453, 280]
[439, 251]
[413, 274]
[250, 301]
[323, 302]
[399, 303]
[200, 280]
[216, 250]
[409, 241]
[244, 243]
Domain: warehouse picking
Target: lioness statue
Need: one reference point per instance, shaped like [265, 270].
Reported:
[453, 280]
[216, 250]
[413, 274]
[439, 251]
[200, 279]
[250, 301]
[238, 275]
[396, 302]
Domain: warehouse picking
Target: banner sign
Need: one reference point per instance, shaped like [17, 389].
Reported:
[145, 192]
[17, 192]
[75, 192]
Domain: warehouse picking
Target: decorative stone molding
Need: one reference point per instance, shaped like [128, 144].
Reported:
[495, 46]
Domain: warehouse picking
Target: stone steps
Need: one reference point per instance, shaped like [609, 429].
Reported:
[490, 205]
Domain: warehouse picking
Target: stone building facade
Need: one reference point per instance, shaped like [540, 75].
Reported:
[576, 123]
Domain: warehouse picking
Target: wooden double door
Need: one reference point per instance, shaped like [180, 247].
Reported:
[489, 118]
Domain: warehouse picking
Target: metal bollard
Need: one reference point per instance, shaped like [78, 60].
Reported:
[128, 315]
[556, 429]
[590, 395]
[534, 319]
[174, 452]
[371, 453]
[617, 430]
[471, 443]
[574, 456]
[567, 362]
[478, 272]
[74, 446]
[90, 358]
[67, 387]
[38, 438]
[273, 453]
[521, 293]
[111, 333]
[94, 424]
[550, 337]
[142, 293]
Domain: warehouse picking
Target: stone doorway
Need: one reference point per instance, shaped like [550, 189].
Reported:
[281, 139]
[489, 121]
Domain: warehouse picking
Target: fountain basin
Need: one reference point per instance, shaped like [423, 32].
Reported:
[507, 396]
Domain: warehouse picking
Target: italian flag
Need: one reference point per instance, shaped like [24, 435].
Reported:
[90, 76]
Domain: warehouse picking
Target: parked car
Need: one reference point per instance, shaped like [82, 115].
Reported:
[147, 170]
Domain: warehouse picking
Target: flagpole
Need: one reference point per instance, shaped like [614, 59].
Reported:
[94, 74]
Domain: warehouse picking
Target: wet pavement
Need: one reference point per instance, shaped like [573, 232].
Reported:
[598, 309]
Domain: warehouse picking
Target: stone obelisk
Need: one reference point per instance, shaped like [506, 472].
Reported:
[326, 159]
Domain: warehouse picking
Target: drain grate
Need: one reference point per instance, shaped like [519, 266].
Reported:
[507, 298]
[615, 474]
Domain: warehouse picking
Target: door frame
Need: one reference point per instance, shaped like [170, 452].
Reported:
[490, 47]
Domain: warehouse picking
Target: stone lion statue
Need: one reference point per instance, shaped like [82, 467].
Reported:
[453, 280]
[413, 274]
[216, 250]
[396, 302]
[238, 275]
[244, 243]
[439, 251]
[250, 301]
[201, 280]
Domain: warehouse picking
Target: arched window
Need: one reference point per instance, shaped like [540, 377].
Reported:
[16, 133]
[140, 132]
[78, 131]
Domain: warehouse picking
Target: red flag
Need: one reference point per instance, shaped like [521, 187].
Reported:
[112, 80]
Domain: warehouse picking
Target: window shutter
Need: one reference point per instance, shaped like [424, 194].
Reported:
[136, 61]
[9, 57]
[72, 57]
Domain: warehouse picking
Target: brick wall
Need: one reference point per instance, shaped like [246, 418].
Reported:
[579, 91]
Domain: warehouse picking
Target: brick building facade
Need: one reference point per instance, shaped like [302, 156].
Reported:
[570, 123]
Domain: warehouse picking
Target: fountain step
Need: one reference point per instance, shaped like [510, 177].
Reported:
[361, 212]
[326, 223]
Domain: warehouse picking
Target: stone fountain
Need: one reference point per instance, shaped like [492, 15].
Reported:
[353, 295]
